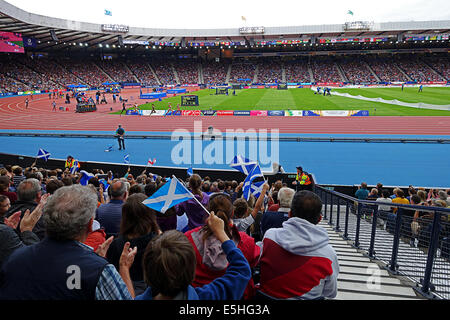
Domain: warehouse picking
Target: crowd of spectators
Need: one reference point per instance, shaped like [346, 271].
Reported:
[297, 71]
[441, 65]
[214, 72]
[53, 71]
[87, 71]
[187, 71]
[325, 71]
[242, 70]
[418, 71]
[117, 70]
[164, 72]
[386, 70]
[218, 246]
[270, 72]
[143, 72]
[357, 72]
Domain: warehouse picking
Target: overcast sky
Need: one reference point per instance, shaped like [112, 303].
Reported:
[227, 14]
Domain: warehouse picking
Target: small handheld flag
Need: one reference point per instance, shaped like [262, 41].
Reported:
[126, 159]
[150, 162]
[170, 194]
[255, 173]
[75, 167]
[42, 154]
[85, 176]
[242, 164]
[190, 171]
[109, 149]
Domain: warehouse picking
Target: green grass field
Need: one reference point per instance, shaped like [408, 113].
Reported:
[305, 99]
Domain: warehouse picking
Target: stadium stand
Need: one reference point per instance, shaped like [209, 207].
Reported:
[214, 73]
[269, 72]
[142, 70]
[297, 71]
[325, 70]
[187, 71]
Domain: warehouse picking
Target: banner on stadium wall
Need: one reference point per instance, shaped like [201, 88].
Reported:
[191, 113]
[134, 113]
[258, 113]
[279, 113]
[330, 84]
[156, 113]
[335, 113]
[225, 113]
[241, 113]
[293, 113]
[209, 112]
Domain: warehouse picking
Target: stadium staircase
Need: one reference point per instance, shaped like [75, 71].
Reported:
[403, 72]
[200, 74]
[371, 71]
[357, 281]
[341, 73]
[433, 70]
[228, 74]
[283, 73]
[103, 71]
[131, 72]
[81, 81]
[255, 76]
[311, 74]
[175, 73]
[154, 73]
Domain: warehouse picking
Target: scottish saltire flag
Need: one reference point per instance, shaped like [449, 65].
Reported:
[126, 159]
[85, 176]
[190, 172]
[256, 188]
[255, 173]
[104, 183]
[42, 154]
[171, 193]
[243, 164]
[109, 149]
[108, 13]
[74, 168]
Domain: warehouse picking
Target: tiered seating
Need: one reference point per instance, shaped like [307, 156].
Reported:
[325, 71]
[187, 71]
[87, 71]
[386, 70]
[357, 72]
[418, 71]
[117, 71]
[441, 65]
[143, 72]
[164, 72]
[297, 71]
[242, 70]
[214, 73]
[53, 71]
[269, 72]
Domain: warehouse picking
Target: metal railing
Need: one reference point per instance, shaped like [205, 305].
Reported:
[415, 248]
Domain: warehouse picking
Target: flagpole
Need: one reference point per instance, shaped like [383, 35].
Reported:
[201, 205]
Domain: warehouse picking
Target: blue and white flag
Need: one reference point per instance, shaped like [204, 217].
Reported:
[74, 168]
[108, 13]
[243, 164]
[43, 154]
[126, 159]
[190, 171]
[85, 176]
[171, 193]
[256, 188]
[255, 173]
[104, 183]
[109, 149]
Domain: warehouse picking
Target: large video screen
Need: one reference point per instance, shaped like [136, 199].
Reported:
[11, 42]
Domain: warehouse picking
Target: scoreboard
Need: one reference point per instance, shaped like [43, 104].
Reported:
[189, 101]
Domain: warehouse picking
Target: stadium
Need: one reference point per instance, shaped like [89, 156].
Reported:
[355, 105]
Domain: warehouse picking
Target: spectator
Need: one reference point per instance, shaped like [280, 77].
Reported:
[211, 258]
[5, 182]
[195, 213]
[69, 214]
[29, 195]
[170, 262]
[243, 218]
[138, 227]
[373, 195]
[286, 250]
[383, 210]
[53, 185]
[18, 176]
[11, 240]
[362, 193]
[271, 219]
[400, 199]
[110, 214]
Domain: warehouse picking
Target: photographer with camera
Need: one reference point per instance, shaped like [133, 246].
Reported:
[120, 133]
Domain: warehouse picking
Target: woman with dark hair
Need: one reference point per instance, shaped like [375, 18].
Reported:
[194, 211]
[211, 259]
[138, 226]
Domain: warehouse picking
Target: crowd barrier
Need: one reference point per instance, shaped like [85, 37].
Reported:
[418, 249]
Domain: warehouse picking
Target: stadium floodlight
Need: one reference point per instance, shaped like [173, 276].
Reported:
[107, 45]
[100, 45]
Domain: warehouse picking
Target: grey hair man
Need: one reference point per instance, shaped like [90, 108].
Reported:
[29, 194]
[109, 215]
[275, 219]
[61, 267]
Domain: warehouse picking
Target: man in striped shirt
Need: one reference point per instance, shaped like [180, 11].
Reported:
[18, 176]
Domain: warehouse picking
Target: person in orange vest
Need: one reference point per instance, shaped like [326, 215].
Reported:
[302, 180]
[70, 163]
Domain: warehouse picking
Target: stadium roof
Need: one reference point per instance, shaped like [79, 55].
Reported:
[54, 33]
